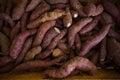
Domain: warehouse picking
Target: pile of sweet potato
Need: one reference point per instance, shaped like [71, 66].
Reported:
[59, 37]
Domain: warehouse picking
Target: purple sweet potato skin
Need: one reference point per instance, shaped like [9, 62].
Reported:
[65, 70]
[42, 31]
[112, 9]
[75, 28]
[94, 40]
[52, 45]
[48, 38]
[19, 10]
[26, 47]
[43, 7]
[77, 42]
[90, 26]
[18, 42]
[23, 21]
[37, 64]
[15, 30]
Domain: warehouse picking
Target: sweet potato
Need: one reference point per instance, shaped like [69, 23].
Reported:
[26, 47]
[90, 26]
[7, 18]
[113, 48]
[112, 33]
[42, 8]
[32, 53]
[57, 1]
[19, 10]
[4, 43]
[67, 19]
[48, 38]
[106, 18]
[80, 63]
[7, 68]
[46, 17]
[37, 64]
[57, 52]
[77, 42]
[94, 40]
[42, 31]
[18, 42]
[112, 9]
[32, 5]
[103, 51]
[99, 9]
[23, 21]
[15, 30]
[4, 60]
[55, 41]
[52, 45]
[75, 28]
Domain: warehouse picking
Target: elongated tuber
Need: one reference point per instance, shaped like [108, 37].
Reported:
[42, 31]
[15, 30]
[77, 42]
[18, 42]
[37, 64]
[42, 8]
[79, 63]
[49, 36]
[74, 29]
[94, 40]
[26, 47]
[19, 9]
[46, 17]
[90, 26]
[52, 45]
[112, 9]
[23, 21]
